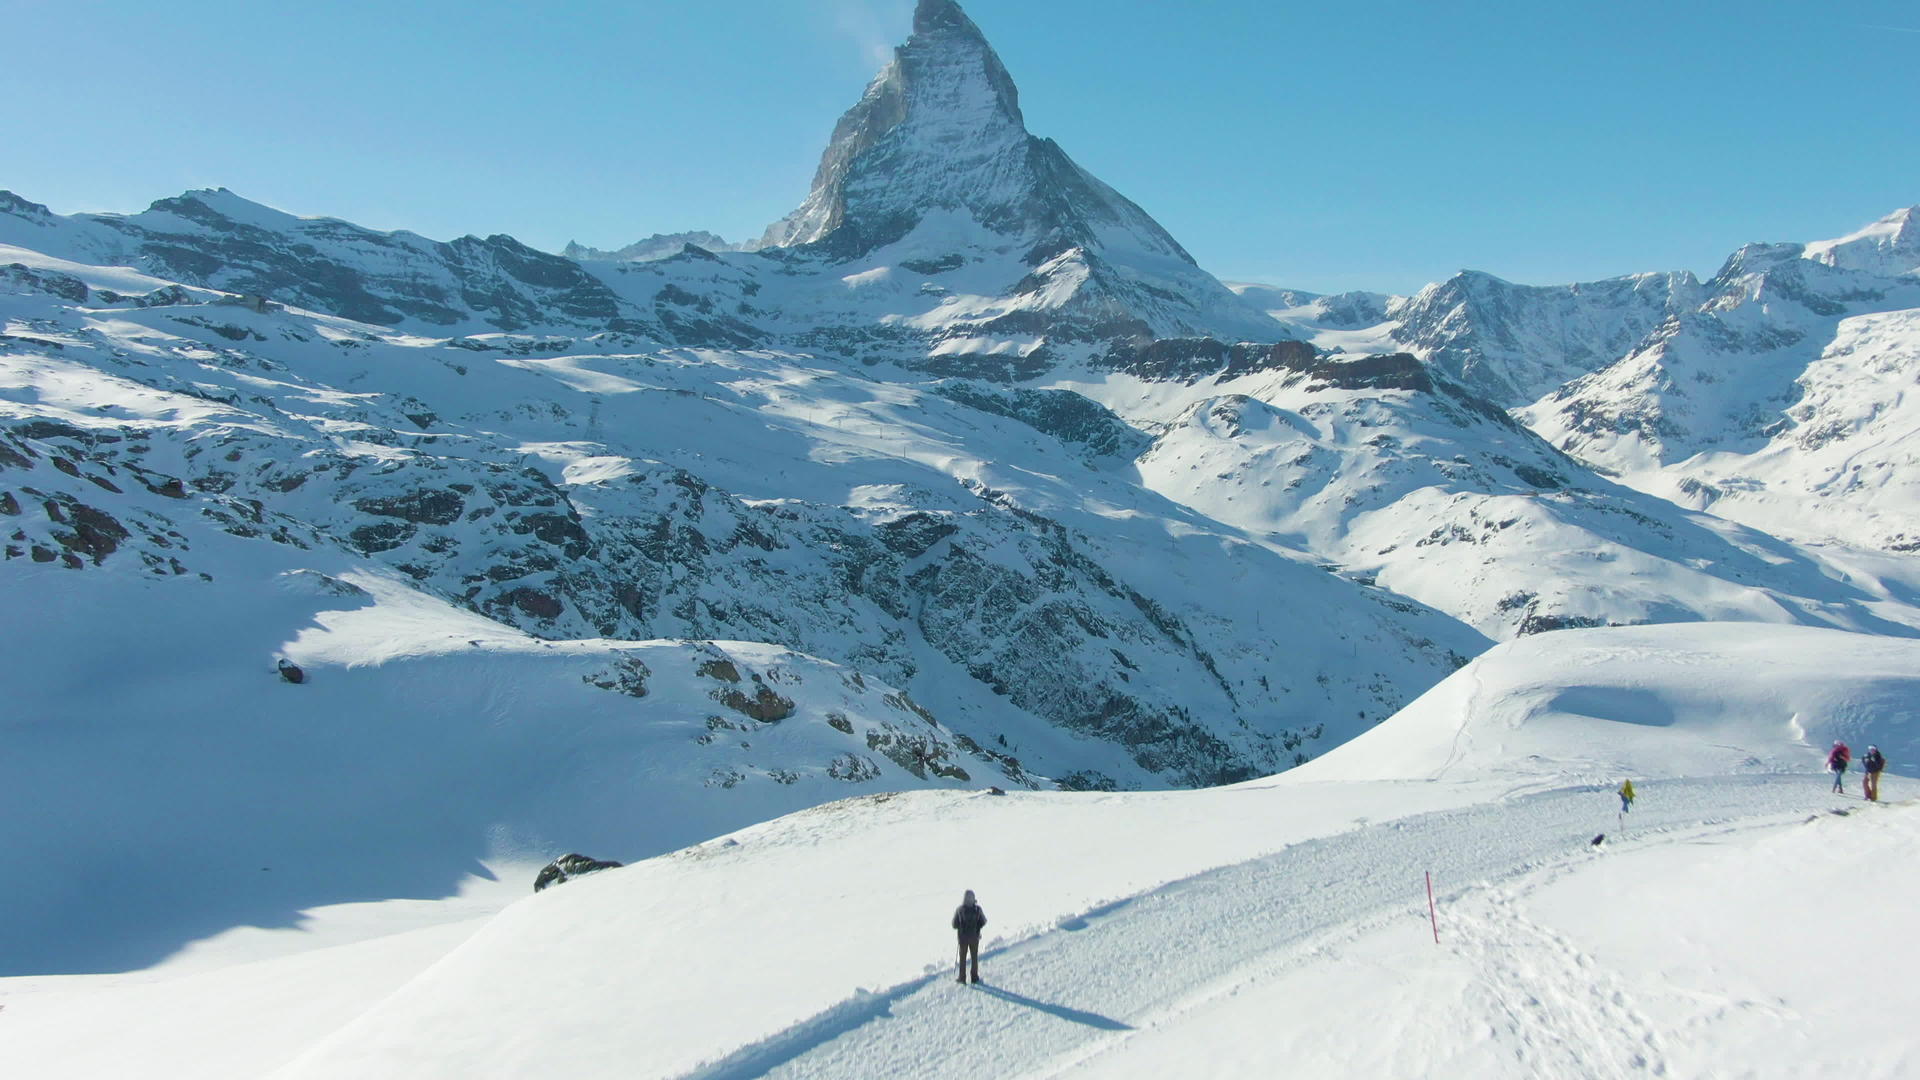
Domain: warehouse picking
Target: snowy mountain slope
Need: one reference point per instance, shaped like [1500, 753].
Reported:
[1840, 460]
[1774, 387]
[1059, 988]
[1632, 952]
[1889, 247]
[1130, 915]
[585, 477]
[1632, 963]
[1513, 343]
[621, 555]
[216, 239]
[1785, 390]
[1341, 311]
[978, 547]
[1508, 343]
[186, 789]
[1405, 479]
[1671, 701]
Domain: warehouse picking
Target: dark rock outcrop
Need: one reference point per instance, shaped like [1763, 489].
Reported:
[567, 867]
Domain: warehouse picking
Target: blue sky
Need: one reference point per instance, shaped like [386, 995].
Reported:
[1332, 146]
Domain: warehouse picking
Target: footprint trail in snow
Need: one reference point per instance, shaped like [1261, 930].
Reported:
[1062, 997]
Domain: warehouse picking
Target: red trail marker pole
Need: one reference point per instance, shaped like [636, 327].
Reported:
[1430, 912]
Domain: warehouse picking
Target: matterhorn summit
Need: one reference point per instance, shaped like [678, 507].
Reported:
[934, 167]
[940, 128]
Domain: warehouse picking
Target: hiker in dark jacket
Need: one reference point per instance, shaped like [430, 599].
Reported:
[969, 919]
[1871, 766]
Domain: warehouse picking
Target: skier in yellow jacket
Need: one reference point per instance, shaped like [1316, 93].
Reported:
[1626, 796]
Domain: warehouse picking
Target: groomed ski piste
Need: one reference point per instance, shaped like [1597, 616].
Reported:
[1740, 920]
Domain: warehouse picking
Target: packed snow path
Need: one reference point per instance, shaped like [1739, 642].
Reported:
[1059, 998]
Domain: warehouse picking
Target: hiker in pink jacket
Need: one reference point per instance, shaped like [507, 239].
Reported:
[1837, 764]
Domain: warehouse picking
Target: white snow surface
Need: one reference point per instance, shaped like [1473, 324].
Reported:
[1437, 495]
[1228, 932]
[442, 477]
[1678, 700]
[1889, 247]
[1781, 401]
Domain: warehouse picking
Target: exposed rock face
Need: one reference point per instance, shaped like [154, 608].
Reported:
[27, 280]
[1512, 343]
[1189, 360]
[1063, 414]
[940, 128]
[939, 133]
[567, 867]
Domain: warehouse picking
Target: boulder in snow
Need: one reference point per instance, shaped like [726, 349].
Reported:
[567, 867]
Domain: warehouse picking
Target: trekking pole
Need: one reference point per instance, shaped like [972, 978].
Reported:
[1431, 916]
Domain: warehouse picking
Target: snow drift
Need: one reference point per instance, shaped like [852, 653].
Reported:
[1695, 699]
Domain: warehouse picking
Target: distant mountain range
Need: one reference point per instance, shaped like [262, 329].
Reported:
[970, 423]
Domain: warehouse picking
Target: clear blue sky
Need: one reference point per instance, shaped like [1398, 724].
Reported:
[1325, 146]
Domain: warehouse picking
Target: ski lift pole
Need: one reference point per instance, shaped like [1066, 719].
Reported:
[1431, 915]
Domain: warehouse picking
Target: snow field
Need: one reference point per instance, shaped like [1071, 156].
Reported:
[816, 944]
[1722, 953]
[1690, 699]
[430, 751]
[1073, 992]
[784, 923]
[839, 903]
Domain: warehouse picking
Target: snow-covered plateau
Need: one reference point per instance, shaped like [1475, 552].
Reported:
[959, 533]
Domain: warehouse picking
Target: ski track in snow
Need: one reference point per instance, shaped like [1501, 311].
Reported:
[1056, 1002]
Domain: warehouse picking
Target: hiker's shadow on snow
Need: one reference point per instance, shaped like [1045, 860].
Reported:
[1078, 1016]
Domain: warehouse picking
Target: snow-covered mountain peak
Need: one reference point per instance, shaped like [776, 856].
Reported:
[933, 171]
[11, 203]
[944, 16]
[652, 249]
[945, 94]
[1889, 247]
[1513, 343]
[222, 201]
[940, 128]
